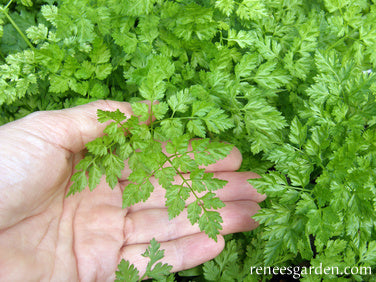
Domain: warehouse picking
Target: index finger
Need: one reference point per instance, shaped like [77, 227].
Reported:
[70, 129]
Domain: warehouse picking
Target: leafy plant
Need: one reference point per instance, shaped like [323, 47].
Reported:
[141, 146]
[127, 272]
[290, 83]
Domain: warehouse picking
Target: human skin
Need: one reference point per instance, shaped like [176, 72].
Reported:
[46, 236]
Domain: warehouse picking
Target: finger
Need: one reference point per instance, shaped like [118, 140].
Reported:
[182, 253]
[144, 225]
[72, 128]
[236, 189]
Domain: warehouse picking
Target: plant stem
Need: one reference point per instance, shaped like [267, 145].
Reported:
[9, 3]
[16, 26]
[188, 185]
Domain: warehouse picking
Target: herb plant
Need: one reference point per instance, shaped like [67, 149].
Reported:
[291, 83]
[137, 143]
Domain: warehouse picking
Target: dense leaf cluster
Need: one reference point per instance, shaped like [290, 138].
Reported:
[291, 83]
[177, 169]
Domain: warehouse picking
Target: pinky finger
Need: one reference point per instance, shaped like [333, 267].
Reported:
[182, 253]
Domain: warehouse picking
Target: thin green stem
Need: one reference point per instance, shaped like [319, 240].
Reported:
[173, 114]
[337, 42]
[18, 29]
[126, 130]
[9, 3]
[181, 118]
[188, 185]
[300, 189]
[92, 161]
[143, 276]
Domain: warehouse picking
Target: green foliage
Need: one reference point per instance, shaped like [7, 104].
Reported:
[290, 83]
[128, 273]
[325, 179]
[139, 144]
[226, 266]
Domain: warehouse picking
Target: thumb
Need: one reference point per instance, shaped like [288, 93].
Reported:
[72, 128]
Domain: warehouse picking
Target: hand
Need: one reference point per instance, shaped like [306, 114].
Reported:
[47, 236]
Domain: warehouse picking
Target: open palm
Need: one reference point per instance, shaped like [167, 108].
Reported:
[45, 235]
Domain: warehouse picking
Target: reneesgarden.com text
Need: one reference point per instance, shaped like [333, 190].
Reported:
[297, 271]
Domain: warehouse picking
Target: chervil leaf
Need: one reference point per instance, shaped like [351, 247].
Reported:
[298, 132]
[184, 163]
[210, 223]
[269, 76]
[50, 12]
[200, 108]
[141, 110]
[160, 270]
[135, 193]
[179, 144]
[37, 34]
[250, 9]
[369, 256]
[219, 150]
[79, 178]
[98, 146]
[138, 8]
[217, 121]
[85, 71]
[59, 84]
[152, 90]
[126, 40]
[114, 133]
[176, 196]
[172, 127]
[100, 54]
[196, 127]
[113, 166]
[212, 271]
[209, 152]
[160, 110]
[95, 174]
[80, 182]
[194, 212]
[180, 101]
[126, 272]
[242, 38]
[212, 183]
[247, 64]
[104, 116]
[148, 27]
[226, 266]
[210, 201]
[225, 6]
[165, 176]
[103, 71]
[153, 270]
